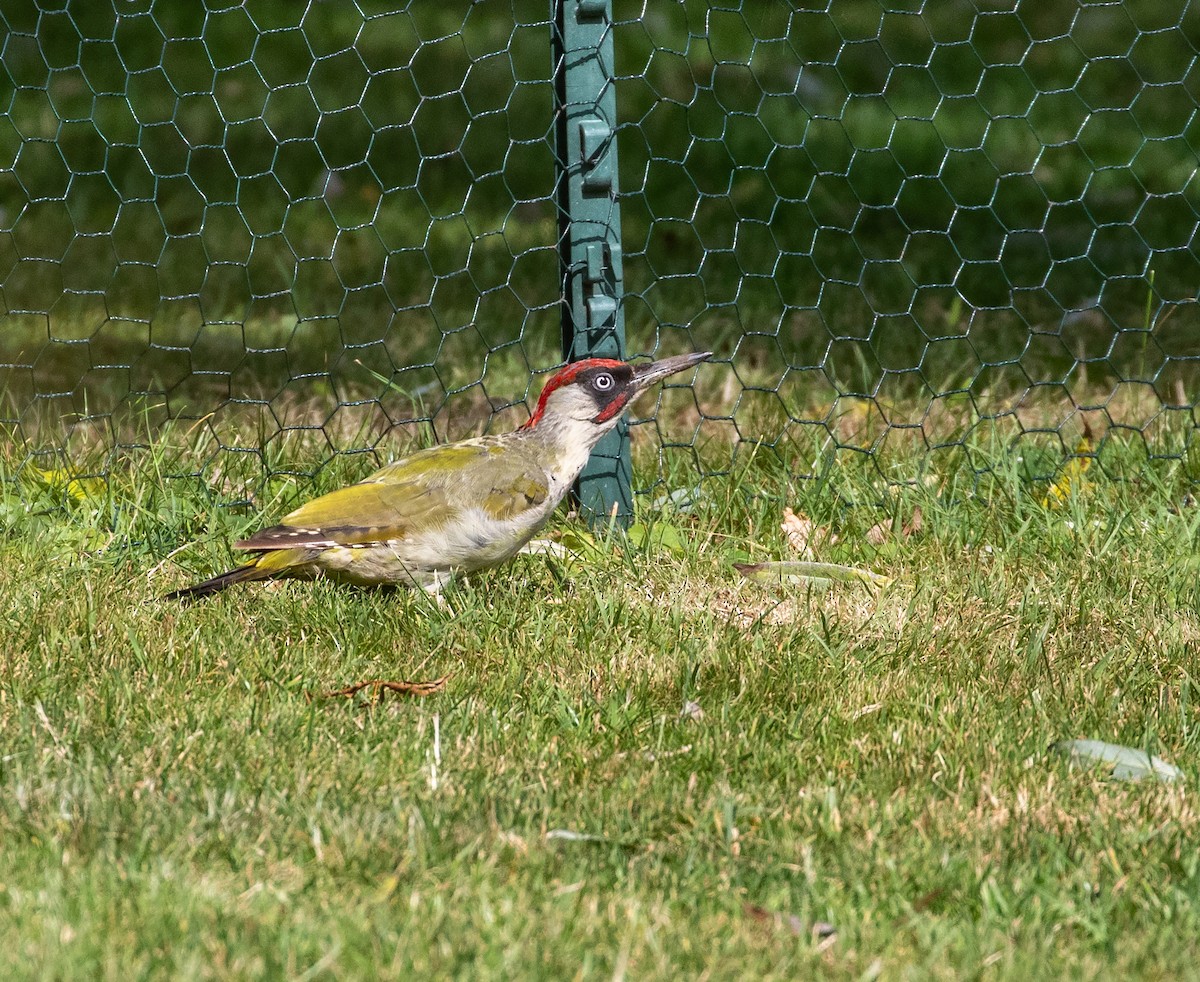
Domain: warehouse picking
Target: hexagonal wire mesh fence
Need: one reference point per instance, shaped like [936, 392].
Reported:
[909, 228]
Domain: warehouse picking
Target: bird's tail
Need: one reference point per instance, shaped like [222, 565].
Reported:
[267, 565]
[242, 574]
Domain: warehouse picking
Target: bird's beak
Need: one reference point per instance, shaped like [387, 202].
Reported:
[645, 376]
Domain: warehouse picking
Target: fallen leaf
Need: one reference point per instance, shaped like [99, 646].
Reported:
[756, 913]
[818, 929]
[927, 900]
[803, 534]
[568, 835]
[681, 499]
[386, 889]
[915, 523]
[817, 575]
[877, 535]
[650, 756]
[545, 547]
[582, 544]
[1071, 479]
[384, 685]
[61, 479]
[823, 929]
[1124, 763]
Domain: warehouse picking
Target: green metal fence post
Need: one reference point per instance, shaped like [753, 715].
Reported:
[593, 324]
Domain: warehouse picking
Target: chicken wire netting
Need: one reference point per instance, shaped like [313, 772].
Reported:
[912, 233]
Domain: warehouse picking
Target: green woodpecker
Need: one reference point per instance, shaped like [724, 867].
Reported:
[453, 508]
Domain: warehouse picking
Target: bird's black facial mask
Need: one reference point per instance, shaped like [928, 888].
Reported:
[610, 389]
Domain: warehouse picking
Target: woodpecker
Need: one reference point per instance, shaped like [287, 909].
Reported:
[452, 508]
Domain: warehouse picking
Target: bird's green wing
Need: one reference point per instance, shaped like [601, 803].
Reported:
[419, 493]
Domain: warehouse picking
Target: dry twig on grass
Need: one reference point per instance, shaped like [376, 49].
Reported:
[385, 685]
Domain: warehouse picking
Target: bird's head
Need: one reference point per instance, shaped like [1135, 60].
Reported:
[592, 394]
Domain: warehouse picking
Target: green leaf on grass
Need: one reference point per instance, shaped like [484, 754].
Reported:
[77, 488]
[1124, 763]
[582, 544]
[656, 536]
[818, 575]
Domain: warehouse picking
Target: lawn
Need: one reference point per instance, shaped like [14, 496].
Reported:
[947, 264]
[641, 765]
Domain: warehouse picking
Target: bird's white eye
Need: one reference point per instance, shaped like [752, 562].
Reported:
[603, 382]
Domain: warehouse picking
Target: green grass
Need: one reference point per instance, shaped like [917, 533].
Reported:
[174, 804]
